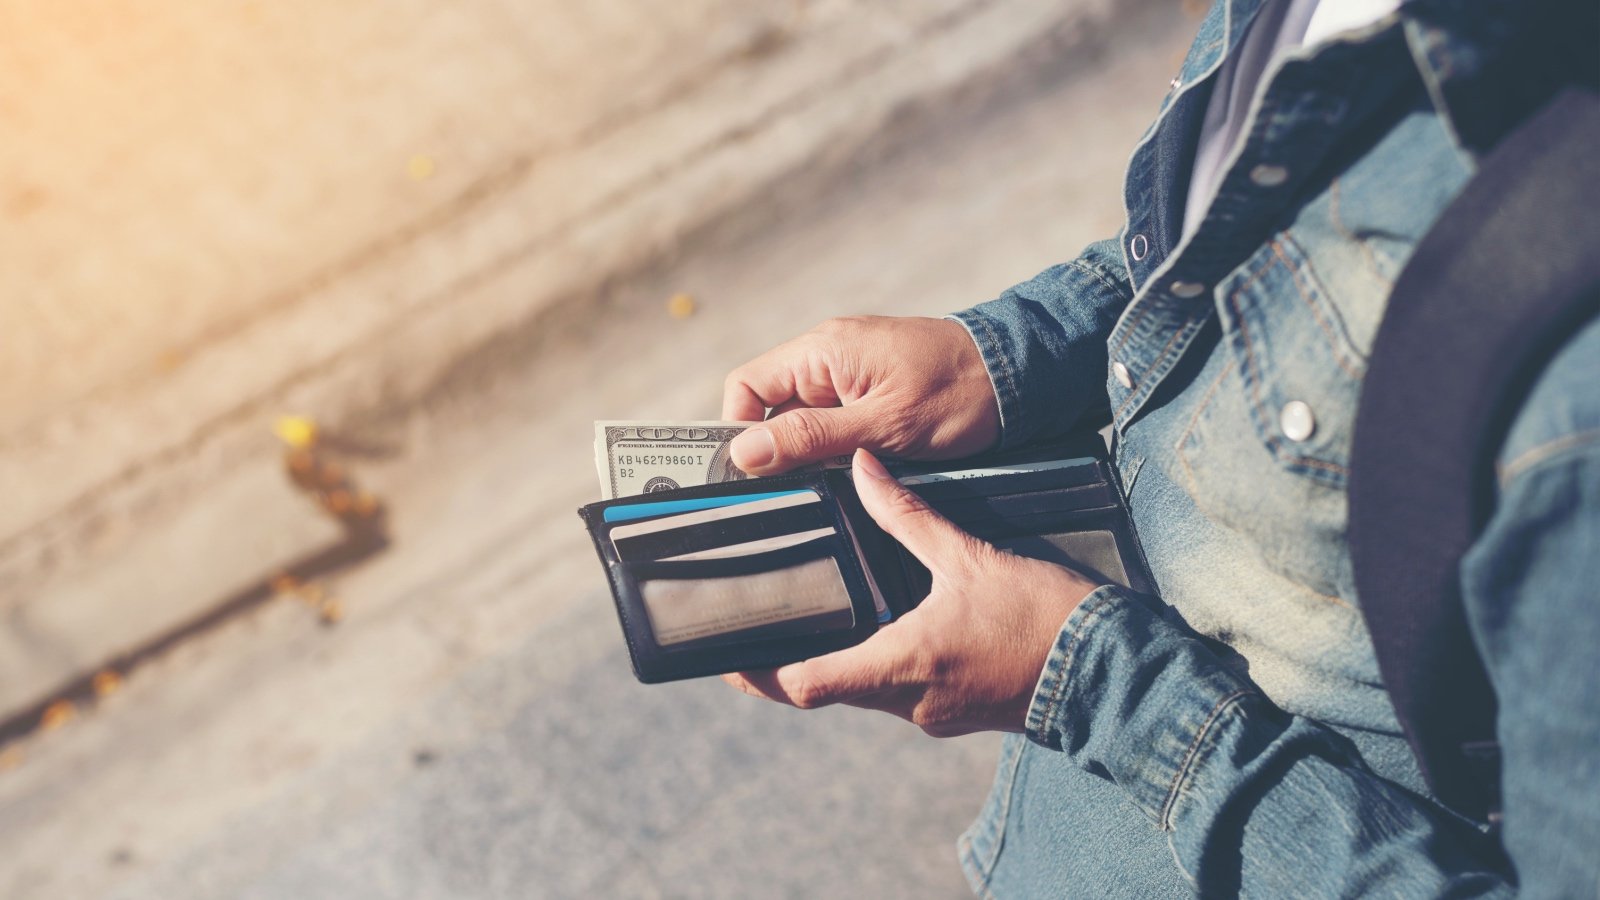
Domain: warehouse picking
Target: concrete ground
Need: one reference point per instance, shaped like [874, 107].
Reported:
[471, 728]
[215, 215]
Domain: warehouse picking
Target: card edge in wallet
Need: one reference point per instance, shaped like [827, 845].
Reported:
[653, 664]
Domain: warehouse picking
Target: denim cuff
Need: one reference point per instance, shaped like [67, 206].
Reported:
[1128, 693]
[1002, 371]
[1044, 344]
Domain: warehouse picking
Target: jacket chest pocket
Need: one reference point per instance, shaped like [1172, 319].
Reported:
[1267, 448]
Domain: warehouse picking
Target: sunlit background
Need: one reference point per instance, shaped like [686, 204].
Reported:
[306, 309]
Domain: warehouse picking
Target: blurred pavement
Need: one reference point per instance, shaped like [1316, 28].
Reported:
[214, 214]
[471, 728]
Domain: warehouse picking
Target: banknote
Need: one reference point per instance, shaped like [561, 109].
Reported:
[644, 456]
[641, 457]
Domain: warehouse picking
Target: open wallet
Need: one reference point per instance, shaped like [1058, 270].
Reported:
[767, 571]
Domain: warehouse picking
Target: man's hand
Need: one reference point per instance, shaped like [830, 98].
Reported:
[911, 387]
[968, 658]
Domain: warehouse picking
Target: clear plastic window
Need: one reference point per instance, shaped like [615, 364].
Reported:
[1093, 553]
[806, 598]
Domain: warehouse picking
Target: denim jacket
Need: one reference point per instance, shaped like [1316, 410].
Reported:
[1233, 736]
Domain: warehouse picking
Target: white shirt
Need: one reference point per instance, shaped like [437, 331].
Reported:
[1279, 27]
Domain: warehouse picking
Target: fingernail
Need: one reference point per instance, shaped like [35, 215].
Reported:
[753, 449]
[868, 464]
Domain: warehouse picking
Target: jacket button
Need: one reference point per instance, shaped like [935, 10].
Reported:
[1296, 420]
[1187, 290]
[1123, 376]
[1269, 176]
[1139, 246]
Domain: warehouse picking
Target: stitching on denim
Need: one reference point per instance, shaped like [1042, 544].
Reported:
[1546, 452]
[1193, 484]
[1185, 770]
[1069, 655]
[1251, 370]
[1133, 323]
[1144, 387]
[1058, 693]
[1433, 81]
[1256, 275]
[1371, 256]
[994, 829]
[998, 839]
[1093, 272]
[1005, 369]
[1319, 464]
[1335, 343]
[1253, 379]
[985, 873]
[1331, 598]
[1205, 402]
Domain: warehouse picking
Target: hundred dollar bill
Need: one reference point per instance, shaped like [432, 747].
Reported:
[640, 457]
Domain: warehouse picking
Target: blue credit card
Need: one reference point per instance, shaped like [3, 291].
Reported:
[668, 507]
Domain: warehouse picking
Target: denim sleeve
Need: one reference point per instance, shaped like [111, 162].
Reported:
[1529, 586]
[1258, 801]
[1531, 599]
[1253, 800]
[1053, 327]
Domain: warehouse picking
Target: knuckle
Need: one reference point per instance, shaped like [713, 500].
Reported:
[805, 434]
[930, 721]
[906, 505]
[833, 327]
[843, 326]
[807, 694]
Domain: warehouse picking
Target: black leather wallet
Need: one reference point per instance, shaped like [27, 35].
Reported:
[758, 573]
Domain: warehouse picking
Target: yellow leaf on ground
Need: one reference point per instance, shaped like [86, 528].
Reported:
[57, 714]
[420, 167]
[331, 611]
[298, 432]
[680, 306]
[107, 682]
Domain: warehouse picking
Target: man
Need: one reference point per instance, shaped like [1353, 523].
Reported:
[1232, 736]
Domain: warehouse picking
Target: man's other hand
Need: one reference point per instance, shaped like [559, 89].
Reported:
[968, 658]
[915, 388]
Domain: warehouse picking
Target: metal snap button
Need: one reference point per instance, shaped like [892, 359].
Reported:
[1296, 420]
[1139, 246]
[1123, 376]
[1268, 175]
[1176, 80]
[1187, 289]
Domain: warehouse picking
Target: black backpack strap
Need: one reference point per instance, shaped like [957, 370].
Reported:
[1509, 271]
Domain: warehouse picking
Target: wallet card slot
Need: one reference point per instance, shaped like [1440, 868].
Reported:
[1006, 507]
[1093, 552]
[788, 592]
[649, 509]
[731, 566]
[1048, 480]
[750, 547]
[723, 532]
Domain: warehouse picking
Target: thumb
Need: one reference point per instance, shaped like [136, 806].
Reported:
[801, 436]
[838, 677]
[931, 538]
